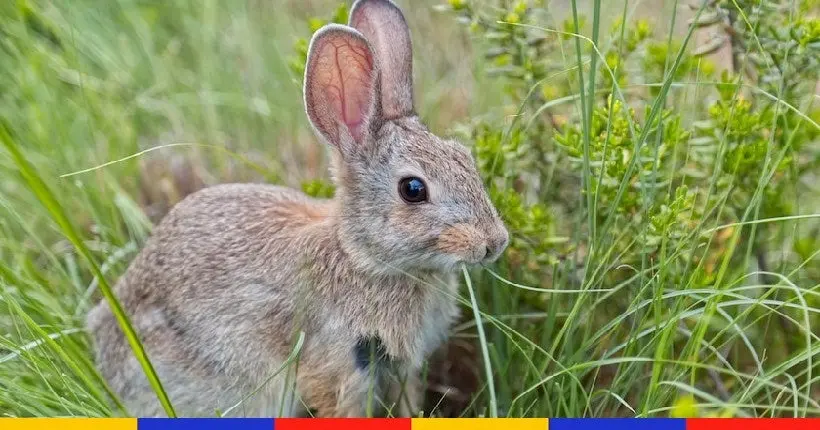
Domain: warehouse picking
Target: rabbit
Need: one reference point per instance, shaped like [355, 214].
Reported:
[234, 274]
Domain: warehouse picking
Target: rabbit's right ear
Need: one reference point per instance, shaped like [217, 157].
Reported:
[341, 86]
[384, 26]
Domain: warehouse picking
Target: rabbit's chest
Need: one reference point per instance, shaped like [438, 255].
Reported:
[410, 327]
[436, 320]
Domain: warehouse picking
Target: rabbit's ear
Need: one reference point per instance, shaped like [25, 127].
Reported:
[384, 26]
[340, 86]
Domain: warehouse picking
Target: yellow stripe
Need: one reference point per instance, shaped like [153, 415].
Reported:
[68, 423]
[480, 424]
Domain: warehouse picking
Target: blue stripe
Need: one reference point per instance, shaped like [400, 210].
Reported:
[205, 424]
[617, 424]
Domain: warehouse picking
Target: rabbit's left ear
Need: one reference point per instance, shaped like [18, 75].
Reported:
[341, 87]
[383, 25]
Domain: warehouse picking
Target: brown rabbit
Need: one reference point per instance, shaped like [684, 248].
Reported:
[234, 272]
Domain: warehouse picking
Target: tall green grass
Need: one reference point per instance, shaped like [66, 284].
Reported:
[209, 85]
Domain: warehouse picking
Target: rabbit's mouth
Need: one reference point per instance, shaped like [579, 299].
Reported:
[467, 244]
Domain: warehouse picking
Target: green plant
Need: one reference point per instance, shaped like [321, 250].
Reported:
[649, 192]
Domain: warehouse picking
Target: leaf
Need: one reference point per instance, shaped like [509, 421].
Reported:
[684, 407]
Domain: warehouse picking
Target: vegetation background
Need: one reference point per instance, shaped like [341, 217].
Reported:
[657, 165]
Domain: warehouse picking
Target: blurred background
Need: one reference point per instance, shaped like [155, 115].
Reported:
[657, 164]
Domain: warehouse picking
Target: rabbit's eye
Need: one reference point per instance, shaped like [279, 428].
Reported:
[413, 190]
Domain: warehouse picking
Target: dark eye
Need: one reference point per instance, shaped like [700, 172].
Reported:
[413, 190]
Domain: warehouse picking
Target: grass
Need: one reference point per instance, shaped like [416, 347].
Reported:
[109, 114]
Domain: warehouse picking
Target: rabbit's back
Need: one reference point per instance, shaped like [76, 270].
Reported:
[223, 236]
[211, 295]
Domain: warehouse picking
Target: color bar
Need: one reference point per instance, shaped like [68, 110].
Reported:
[68, 423]
[205, 423]
[408, 424]
[342, 424]
[618, 424]
[753, 424]
[481, 424]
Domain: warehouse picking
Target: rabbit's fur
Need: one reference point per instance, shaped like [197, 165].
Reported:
[235, 272]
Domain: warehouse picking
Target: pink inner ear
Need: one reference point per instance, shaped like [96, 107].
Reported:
[344, 76]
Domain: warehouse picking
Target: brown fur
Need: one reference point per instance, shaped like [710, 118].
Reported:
[235, 272]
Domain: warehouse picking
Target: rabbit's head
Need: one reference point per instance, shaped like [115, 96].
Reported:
[407, 198]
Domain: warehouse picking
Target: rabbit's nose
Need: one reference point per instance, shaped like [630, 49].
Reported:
[496, 243]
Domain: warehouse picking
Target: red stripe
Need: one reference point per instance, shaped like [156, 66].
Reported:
[341, 424]
[753, 424]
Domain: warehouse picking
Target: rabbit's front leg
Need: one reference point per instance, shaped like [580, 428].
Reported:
[335, 384]
[405, 393]
[359, 396]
